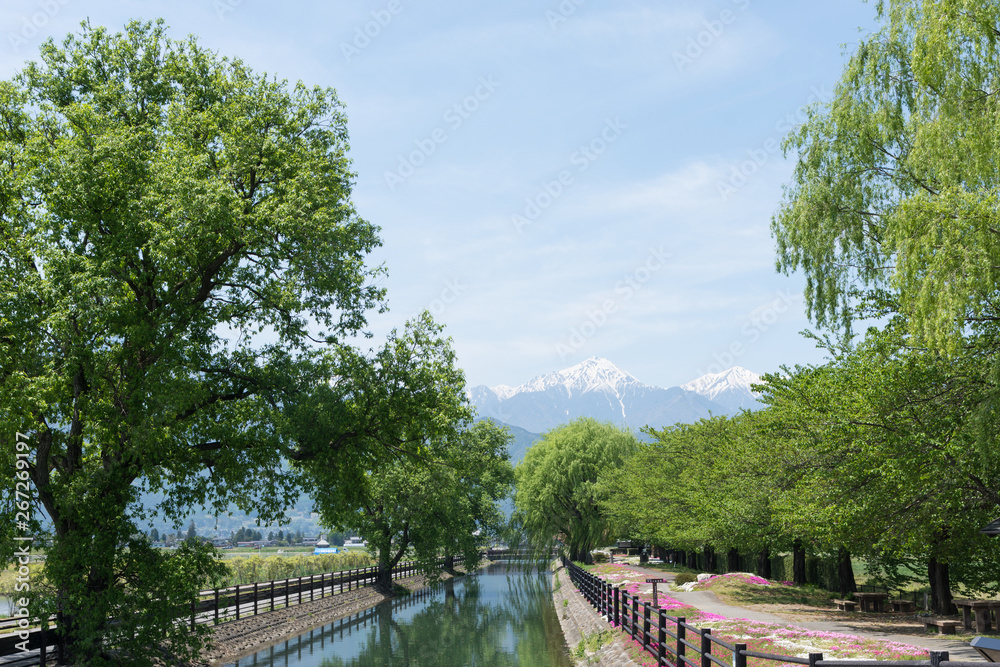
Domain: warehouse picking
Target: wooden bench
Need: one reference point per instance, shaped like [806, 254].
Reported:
[944, 627]
[903, 605]
[846, 605]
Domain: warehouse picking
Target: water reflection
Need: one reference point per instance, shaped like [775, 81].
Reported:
[498, 618]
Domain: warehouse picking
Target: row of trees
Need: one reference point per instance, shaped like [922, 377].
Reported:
[182, 274]
[888, 451]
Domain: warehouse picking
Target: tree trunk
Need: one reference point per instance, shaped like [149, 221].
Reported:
[940, 580]
[709, 559]
[692, 560]
[733, 560]
[798, 563]
[449, 564]
[680, 558]
[764, 563]
[845, 573]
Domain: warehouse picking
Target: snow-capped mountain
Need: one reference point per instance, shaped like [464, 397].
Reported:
[599, 389]
[730, 389]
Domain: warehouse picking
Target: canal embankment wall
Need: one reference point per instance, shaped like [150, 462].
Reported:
[579, 620]
[236, 639]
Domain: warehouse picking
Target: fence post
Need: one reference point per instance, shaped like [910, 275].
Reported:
[617, 595]
[300, 590]
[813, 658]
[216, 606]
[312, 586]
[645, 626]
[937, 657]
[237, 602]
[740, 659]
[322, 585]
[272, 595]
[635, 614]
[288, 592]
[661, 638]
[706, 647]
[42, 656]
[192, 614]
[681, 635]
[255, 598]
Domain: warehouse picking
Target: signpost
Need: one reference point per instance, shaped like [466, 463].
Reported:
[654, 582]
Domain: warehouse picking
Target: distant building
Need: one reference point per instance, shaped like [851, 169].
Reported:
[355, 542]
[253, 544]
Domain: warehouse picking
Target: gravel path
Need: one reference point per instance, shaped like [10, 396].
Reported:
[709, 602]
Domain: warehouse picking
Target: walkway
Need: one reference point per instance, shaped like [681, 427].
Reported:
[708, 602]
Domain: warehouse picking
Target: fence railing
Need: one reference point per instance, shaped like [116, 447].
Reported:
[217, 605]
[675, 642]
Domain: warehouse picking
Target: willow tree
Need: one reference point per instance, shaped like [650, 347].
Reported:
[559, 494]
[177, 249]
[893, 209]
[895, 190]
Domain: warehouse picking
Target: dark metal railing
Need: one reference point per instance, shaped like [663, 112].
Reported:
[676, 643]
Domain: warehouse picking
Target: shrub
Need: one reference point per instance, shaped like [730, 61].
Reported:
[599, 557]
[685, 578]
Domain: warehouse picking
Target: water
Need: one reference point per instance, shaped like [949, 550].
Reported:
[497, 618]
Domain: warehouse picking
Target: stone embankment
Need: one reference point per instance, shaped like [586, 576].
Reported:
[246, 636]
[579, 620]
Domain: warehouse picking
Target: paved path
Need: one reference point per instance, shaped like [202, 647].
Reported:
[709, 602]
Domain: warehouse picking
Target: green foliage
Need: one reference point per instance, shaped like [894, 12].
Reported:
[256, 569]
[431, 502]
[154, 198]
[593, 642]
[598, 557]
[685, 578]
[558, 493]
[893, 205]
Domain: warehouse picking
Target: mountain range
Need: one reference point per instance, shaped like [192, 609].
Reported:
[598, 388]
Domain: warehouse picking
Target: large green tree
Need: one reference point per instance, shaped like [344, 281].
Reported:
[558, 491]
[177, 249]
[439, 480]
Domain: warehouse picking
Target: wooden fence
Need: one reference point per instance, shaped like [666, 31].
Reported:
[674, 642]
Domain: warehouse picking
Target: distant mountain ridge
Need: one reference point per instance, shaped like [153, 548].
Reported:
[598, 388]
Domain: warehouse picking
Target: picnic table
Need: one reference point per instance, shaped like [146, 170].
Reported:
[984, 611]
[872, 601]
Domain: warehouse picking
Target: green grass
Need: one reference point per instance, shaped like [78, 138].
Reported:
[739, 593]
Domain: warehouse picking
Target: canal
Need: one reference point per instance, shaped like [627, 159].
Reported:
[499, 617]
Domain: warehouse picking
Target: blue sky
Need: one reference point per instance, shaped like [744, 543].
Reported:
[553, 180]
